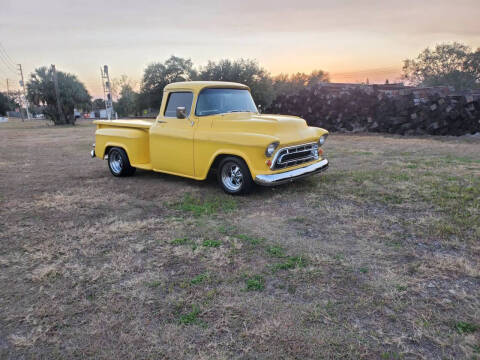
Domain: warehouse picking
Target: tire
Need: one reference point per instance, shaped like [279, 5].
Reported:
[118, 163]
[234, 176]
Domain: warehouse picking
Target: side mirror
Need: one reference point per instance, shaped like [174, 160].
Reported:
[181, 112]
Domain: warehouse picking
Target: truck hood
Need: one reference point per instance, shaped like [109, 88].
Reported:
[285, 129]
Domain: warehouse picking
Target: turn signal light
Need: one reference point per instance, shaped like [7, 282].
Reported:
[269, 162]
[320, 151]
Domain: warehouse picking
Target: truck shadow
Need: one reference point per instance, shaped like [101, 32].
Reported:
[211, 185]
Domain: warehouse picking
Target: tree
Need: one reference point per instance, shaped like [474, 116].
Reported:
[127, 105]
[243, 71]
[7, 103]
[72, 94]
[118, 83]
[285, 84]
[447, 64]
[157, 75]
[98, 104]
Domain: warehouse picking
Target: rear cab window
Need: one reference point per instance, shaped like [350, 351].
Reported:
[176, 99]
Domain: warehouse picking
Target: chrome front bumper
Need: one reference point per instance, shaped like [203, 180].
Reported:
[281, 178]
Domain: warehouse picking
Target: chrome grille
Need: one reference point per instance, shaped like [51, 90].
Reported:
[295, 155]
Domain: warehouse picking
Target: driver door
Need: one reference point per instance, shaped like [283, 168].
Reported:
[171, 138]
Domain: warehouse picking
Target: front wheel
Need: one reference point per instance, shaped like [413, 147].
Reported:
[233, 176]
[118, 162]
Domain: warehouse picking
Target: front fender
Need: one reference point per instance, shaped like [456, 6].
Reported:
[249, 147]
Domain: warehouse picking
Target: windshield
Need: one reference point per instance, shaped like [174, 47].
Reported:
[222, 101]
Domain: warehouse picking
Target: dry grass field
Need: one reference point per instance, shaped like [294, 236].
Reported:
[377, 258]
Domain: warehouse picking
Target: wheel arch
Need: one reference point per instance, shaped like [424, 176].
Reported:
[109, 146]
[222, 154]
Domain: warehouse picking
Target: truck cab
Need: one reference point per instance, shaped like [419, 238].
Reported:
[213, 126]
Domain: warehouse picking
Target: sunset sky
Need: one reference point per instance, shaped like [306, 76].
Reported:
[352, 40]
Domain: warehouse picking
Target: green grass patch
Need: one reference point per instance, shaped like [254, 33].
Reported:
[255, 283]
[291, 263]
[276, 251]
[211, 243]
[456, 198]
[463, 327]
[391, 356]
[450, 159]
[250, 239]
[179, 241]
[191, 317]
[459, 201]
[206, 206]
[200, 278]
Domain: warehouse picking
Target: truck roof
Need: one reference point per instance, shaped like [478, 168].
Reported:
[199, 85]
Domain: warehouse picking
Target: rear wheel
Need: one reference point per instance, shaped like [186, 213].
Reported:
[233, 176]
[118, 162]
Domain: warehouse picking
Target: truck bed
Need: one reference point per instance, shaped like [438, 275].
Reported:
[132, 135]
[131, 123]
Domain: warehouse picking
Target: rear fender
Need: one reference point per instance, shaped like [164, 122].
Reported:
[135, 142]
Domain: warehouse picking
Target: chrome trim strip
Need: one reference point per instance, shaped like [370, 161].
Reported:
[285, 148]
[303, 159]
[280, 178]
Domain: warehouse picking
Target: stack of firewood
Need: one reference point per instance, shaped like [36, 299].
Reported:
[373, 111]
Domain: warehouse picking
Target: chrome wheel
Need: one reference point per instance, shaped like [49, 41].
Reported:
[232, 177]
[116, 162]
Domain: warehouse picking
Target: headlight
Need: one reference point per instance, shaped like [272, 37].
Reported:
[322, 139]
[271, 149]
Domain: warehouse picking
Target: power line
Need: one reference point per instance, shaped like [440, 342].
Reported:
[7, 69]
[5, 60]
[2, 48]
[4, 73]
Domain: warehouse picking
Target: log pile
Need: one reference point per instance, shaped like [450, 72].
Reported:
[373, 111]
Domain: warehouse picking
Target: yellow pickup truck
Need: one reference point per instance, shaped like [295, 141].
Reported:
[208, 126]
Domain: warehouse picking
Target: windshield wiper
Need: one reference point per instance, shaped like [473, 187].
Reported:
[232, 111]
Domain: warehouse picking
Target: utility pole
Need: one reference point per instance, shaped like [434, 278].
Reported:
[8, 90]
[57, 94]
[20, 100]
[104, 91]
[107, 91]
[22, 84]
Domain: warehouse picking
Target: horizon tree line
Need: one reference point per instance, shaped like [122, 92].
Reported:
[453, 64]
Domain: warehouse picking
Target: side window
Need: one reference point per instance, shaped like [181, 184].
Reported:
[176, 99]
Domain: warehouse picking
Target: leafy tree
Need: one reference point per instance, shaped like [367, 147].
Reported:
[285, 84]
[244, 71]
[118, 84]
[7, 103]
[72, 93]
[157, 75]
[127, 105]
[447, 64]
[98, 104]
